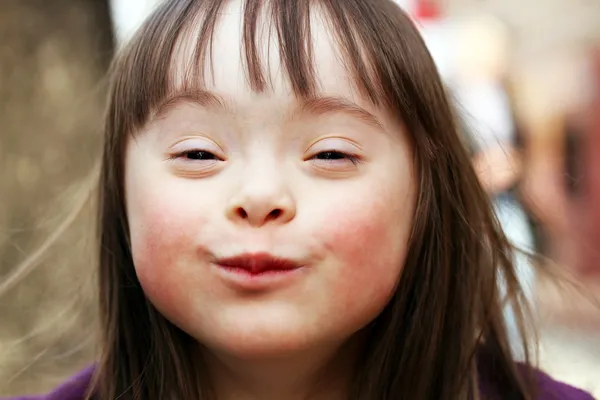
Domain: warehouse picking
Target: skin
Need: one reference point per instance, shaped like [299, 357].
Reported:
[347, 220]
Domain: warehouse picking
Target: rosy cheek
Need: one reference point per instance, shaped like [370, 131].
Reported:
[155, 230]
[359, 227]
[370, 248]
[162, 235]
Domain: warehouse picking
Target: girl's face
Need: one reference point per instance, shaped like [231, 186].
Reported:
[328, 184]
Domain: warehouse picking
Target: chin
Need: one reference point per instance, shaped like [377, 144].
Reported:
[261, 338]
[261, 344]
[261, 350]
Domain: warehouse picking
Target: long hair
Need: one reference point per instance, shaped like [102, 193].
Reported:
[442, 333]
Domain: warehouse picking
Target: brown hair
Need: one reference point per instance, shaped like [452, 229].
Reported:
[442, 332]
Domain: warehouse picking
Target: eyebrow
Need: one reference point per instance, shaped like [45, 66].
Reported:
[332, 104]
[202, 98]
[316, 106]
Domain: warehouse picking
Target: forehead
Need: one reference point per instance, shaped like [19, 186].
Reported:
[225, 69]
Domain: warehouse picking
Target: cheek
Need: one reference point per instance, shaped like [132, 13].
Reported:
[160, 227]
[354, 232]
[369, 239]
[163, 232]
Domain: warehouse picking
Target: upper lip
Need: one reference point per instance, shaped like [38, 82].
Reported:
[258, 262]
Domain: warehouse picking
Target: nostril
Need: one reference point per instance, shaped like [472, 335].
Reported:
[242, 213]
[274, 214]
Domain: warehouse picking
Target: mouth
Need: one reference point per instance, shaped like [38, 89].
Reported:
[258, 263]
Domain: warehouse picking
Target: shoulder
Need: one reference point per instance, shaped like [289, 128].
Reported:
[75, 388]
[492, 385]
[550, 389]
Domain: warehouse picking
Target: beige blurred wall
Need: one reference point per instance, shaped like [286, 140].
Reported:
[542, 29]
[53, 59]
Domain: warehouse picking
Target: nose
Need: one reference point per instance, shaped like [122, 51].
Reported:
[262, 199]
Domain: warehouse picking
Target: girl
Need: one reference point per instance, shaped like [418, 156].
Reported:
[286, 212]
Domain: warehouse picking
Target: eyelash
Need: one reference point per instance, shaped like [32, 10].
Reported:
[186, 154]
[329, 155]
[339, 156]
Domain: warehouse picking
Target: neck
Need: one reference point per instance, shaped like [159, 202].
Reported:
[318, 374]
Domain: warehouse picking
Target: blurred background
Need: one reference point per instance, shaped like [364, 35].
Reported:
[525, 79]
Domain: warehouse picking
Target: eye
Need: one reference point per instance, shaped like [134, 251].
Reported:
[330, 155]
[197, 155]
[335, 156]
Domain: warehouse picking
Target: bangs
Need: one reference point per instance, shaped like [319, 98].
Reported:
[145, 75]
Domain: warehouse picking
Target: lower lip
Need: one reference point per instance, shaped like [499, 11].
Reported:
[245, 280]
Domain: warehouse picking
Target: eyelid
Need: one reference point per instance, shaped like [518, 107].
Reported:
[340, 144]
[196, 143]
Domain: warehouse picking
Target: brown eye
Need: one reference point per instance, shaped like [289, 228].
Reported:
[332, 155]
[199, 155]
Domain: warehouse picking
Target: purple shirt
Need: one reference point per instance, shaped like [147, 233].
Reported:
[76, 387]
[73, 389]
